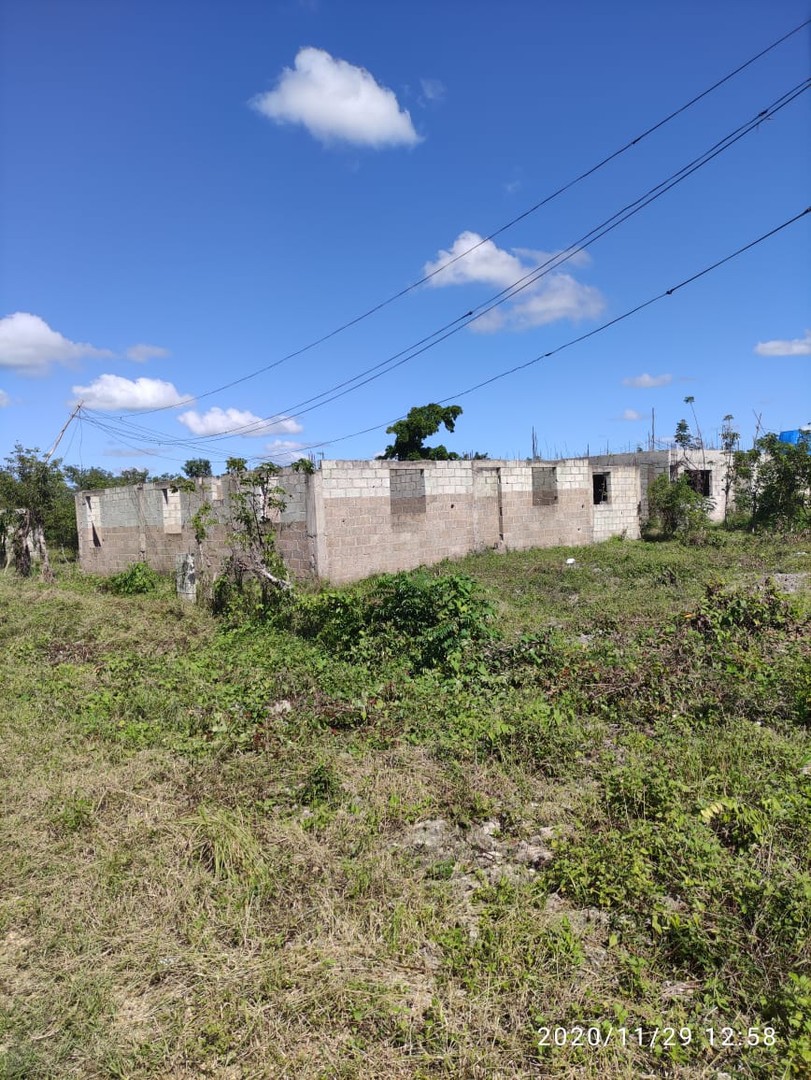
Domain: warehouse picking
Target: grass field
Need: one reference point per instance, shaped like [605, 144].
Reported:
[353, 845]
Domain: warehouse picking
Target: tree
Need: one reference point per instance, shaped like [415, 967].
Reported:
[132, 476]
[94, 478]
[196, 467]
[254, 575]
[410, 434]
[729, 441]
[698, 442]
[90, 479]
[684, 437]
[772, 483]
[36, 508]
[676, 508]
[236, 465]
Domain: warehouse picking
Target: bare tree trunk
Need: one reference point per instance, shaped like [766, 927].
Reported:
[47, 573]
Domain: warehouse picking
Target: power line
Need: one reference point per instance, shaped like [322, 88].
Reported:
[573, 341]
[583, 337]
[523, 283]
[129, 434]
[497, 232]
[383, 367]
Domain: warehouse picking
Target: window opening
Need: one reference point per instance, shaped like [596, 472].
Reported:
[701, 481]
[600, 487]
[407, 491]
[544, 485]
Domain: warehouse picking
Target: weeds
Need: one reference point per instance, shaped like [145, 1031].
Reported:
[208, 831]
[429, 621]
[135, 580]
[724, 611]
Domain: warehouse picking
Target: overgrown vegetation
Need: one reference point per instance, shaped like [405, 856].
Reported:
[677, 509]
[37, 507]
[398, 829]
[35, 510]
[765, 488]
[772, 484]
[137, 578]
[422, 620]
[253, 580]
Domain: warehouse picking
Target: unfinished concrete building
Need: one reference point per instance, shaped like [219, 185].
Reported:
[350, 519]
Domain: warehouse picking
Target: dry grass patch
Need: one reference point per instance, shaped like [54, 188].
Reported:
[233, 855]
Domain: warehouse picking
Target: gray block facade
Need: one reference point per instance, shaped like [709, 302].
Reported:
[350, 519]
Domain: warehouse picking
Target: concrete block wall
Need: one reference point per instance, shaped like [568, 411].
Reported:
[389, 516]
[619, 516]
[351, 519]
[563, 516]
[716, 462]
[111, 529]
[654, 462]
[119, 526]
[381, 516]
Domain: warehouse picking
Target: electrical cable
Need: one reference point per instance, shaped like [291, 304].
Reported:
[497, 232]
[583, 337]
[202, 443]
[529, 279]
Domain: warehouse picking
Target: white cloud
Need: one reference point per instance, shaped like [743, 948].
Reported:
[481, 261]
[29, 346]
[218, 421]
[647, 382]
[631, 414]
[122, 452]
[432, 89]
[282, 448]
[795, 347]
[337, 102]
[554, 296]
[486, 264]
[141, 353]
[109, 393]
[4, 399]
[537, 257]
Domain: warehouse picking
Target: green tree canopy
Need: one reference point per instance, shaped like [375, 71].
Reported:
[132, 476]
[772, 483]
[195, 467]
[90, 479]
[35, 501]
[410, 434]
[684, 437]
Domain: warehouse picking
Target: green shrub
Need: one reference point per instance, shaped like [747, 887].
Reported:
[138, 578]
[677, 509]
[337, 620]
[750, 611]
[791, 1009]
[427, 620]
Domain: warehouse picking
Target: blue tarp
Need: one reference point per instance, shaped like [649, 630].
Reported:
[794, 436]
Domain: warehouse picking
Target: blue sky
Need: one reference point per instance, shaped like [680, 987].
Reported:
[192, 191]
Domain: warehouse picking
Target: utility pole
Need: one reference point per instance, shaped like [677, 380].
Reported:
[758, 425]
[65, 427]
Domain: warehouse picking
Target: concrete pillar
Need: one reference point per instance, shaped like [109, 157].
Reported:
[186, 577]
